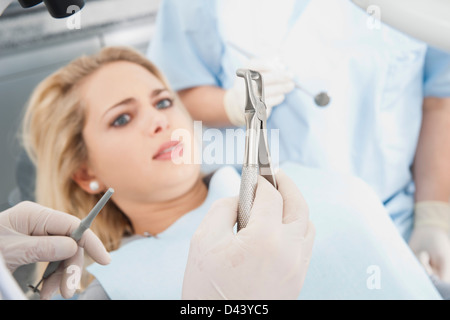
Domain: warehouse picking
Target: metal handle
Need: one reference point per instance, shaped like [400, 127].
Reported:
[51, 267]
[247, 192]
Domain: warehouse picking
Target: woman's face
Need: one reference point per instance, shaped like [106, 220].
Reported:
[130, 117]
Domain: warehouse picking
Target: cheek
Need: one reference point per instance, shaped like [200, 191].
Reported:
[183, 125]
[115, 156]
[124, 170]
[181, 117]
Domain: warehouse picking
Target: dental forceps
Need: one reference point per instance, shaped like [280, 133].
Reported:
[76, 235]
[257, 153]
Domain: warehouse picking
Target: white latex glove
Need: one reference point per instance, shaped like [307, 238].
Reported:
[267, 259]
[277, 83]
[429, 239]
[32, 233]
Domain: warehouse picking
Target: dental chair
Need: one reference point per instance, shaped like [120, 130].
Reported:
[25, 175]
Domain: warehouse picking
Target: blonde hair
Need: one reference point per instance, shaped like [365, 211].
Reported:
[52, 136]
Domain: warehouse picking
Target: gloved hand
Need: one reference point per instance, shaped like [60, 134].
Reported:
[32, 233]
[267, 259]
[277, 83]
[430, 237]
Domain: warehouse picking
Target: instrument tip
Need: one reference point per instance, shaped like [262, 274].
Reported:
[322, 99]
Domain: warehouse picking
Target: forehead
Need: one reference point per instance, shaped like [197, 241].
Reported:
[117, 80]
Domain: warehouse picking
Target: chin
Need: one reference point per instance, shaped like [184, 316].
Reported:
[177, 181]
[179, 173]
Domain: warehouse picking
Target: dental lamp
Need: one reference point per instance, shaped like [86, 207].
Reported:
[426, 20]
[57, 8]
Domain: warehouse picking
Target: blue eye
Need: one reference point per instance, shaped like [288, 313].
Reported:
[164, 104]
[121, 120]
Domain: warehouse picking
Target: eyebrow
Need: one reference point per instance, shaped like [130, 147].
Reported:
[154, 93]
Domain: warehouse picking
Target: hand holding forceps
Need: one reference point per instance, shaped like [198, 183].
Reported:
[256, 145]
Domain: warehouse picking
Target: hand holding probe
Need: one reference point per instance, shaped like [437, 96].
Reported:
[77, 234]
[321, 99]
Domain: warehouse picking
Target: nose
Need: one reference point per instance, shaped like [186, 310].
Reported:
[158, 122]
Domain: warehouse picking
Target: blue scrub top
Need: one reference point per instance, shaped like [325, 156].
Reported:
[376, 76]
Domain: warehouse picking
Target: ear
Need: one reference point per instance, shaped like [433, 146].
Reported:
[84, 176]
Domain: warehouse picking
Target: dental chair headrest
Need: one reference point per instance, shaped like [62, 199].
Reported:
[57, 8]
[25, 180]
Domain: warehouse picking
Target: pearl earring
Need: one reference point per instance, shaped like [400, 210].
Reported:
[94, 186]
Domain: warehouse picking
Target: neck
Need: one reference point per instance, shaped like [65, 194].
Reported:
[154, 218]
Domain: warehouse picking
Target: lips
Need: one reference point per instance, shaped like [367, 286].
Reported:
[168, 149]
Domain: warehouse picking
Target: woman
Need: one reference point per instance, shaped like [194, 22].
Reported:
[107, 121]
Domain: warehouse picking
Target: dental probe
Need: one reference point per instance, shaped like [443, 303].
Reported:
[77, 234]
[321, 99]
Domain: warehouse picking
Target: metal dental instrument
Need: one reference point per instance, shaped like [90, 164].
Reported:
[321, 99]
[76, 235]
[256, 145]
